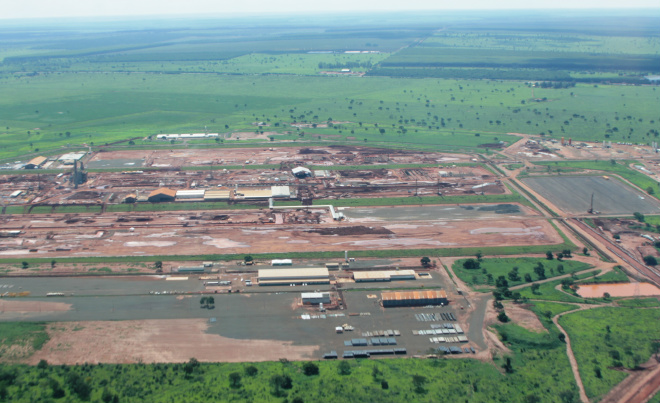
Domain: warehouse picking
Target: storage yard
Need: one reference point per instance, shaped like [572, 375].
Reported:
[572, 194]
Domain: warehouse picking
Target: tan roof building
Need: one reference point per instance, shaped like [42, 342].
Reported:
[162, 195]
[35, 162]
[414, 298]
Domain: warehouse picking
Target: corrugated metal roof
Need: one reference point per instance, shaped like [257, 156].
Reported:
[254, 193]
[413, 295]
[37, 161]
[382, 275]
[191, 192]
[217, 194]
[164, 191]
[314, 295]
[293, 273]
[280, 191]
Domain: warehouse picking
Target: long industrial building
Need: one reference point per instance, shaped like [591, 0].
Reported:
[414, 298]
[294, 276]
[386, 275]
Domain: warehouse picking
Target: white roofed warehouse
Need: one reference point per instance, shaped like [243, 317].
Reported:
[315, 298]
[294, 276]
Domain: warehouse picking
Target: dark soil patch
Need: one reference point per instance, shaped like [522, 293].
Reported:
[357, 230]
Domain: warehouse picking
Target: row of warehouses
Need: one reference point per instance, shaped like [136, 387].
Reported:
[170, 195]
[322, 276]
[42, 162]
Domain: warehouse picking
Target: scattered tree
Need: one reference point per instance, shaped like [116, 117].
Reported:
[309, 369]
[425, 261]
[25, 265]
[535, 288]
[650, 260]
[528, 278]
[235, 380]
[540, 270]
[548, 255]
[508, 367]
[639, 216]
[585, 251]
[560, 268]
[502, 317]
[471, 264]
[251, 370]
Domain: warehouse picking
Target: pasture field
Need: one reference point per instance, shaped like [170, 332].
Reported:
[639, 303]
[623, 337]
[503, 266]
[49, 111]
[111, 84]
[547, 291]
[19, 339]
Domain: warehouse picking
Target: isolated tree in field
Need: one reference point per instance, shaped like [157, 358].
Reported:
[548, 255]
[25, 265]
[650, 260]
[508, 367]
[52, 264]
[560, 256]
[535, 288]
[502, 317]
[501, 282]
[606, 295]
[567, 253]
[158, 265]
[309, 369]
[585, 251]
[251, 370]
[471, 264]
[248, 259]
[560, 268]
[540, 270]
[513, 274]
[425, 261]
[528, 278]
[235, 380]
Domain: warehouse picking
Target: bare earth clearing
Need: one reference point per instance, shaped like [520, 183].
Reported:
[152, 341]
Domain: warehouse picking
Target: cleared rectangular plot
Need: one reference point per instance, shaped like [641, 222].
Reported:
[572, 194]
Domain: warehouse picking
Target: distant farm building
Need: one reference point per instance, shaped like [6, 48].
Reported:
[189, 194]
[294, 276]
[215, 195]
[162, 195]
[387, 275]
[35, 163]
[315, 298]
[414, 298]
[301, 172]
[281, 262]
[70, 158]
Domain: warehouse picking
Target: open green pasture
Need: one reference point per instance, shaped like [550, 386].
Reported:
[49, 110]
[496, 267]
[548, 292]
[429, 56]
[639, 303]
[29, 336]
[546, 42]
[604, 339]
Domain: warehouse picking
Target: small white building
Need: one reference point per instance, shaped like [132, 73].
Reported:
[315, 298]
[281, 262]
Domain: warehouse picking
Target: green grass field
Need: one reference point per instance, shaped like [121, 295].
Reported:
[503, 266]
[610, 337]
[28, 336]
[639, 303]
[547, 291]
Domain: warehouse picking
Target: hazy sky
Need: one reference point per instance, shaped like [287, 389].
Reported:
[85, 8]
